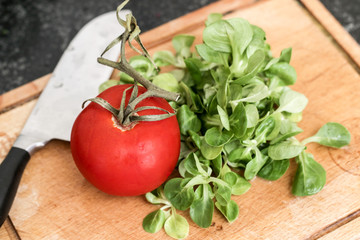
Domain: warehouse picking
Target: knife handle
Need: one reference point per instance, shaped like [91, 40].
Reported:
[11, 170]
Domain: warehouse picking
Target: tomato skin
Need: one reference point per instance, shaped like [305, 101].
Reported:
[125, 163]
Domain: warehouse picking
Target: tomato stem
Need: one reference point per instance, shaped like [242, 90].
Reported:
[125, 115]
[124, 66]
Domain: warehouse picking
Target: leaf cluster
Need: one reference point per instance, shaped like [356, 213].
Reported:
[238, 119]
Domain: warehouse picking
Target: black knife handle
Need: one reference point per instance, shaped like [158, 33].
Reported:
[11, 170]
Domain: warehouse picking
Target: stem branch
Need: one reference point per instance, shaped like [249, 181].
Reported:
[125, 67]
[132, 32]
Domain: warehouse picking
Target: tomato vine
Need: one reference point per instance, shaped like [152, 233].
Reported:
[127, 115]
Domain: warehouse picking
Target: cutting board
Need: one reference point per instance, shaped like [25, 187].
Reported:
[55, 202]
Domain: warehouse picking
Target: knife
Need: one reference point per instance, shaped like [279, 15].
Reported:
[76, 78]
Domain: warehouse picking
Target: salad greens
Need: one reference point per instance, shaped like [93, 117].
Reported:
[238, 120]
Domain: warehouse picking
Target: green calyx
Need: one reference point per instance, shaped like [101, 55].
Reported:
[127, 115]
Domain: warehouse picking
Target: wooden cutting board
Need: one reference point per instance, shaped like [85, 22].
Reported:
[55, 202]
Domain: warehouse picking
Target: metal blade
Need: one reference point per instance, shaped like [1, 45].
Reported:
[75, 79]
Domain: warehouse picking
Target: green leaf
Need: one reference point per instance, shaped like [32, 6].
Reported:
[213, 17]
[193, 66]
[284, 71]
[107, 84]
[124, 78]
[230, 210]
[331, 134]
[277, 125]
[249, 133]
[288, 129]
[238, 120]
[310, 176]
[154, 221]
[187, 120]
[190, 165]
[274, 169]
[264, 128]
[216, 138]
[223, 118]
[181, 197]
[152, 198]
[202, 209]
[143, 65]
[235, 91]
[288, 126]
[292, 102]
[212, 108]
[237, 183]
[258, 42]
[252, 115]
[268, 128]
[185, 150]
[203, 167]
[270, 63]
[220, 74]
[225, 170]
[254, 166]
[239, 154]
[181, 168]
[216, 36]
[212, 56]
[285, 150]
[209, 152]
[222, 193]
[196, 138]
[222, 93]
[232, 145]
[258, 36]
[240, 38]
[167, 82]
[182, 44]
[255, 61]
[176, 226]
[255, 93]
[209, 92]
[164, 58]
[285, 55]
[216, 165]
[294, 117]
[192, 100]
[178, 74]
[246, 72]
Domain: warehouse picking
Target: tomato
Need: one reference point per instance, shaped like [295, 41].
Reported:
[125, 162]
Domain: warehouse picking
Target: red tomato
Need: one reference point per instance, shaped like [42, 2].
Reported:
[125, 163]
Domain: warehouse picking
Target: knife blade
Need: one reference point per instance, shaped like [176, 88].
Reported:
[75, 79]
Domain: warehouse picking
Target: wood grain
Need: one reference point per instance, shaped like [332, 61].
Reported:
[4, 235]
[23, 93]
[11, 232]
[11, 123]
[349, 231]
[55, 202]
[340, 227]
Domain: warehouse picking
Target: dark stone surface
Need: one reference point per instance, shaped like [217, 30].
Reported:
[347, 12]
[34, 33]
